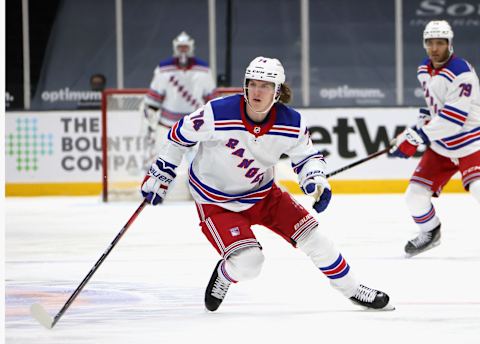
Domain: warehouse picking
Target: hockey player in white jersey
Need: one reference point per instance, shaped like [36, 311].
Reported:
[180, 85]
[240, 139]
[450, 127]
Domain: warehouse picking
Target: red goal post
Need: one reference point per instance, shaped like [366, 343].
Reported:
[125, 150]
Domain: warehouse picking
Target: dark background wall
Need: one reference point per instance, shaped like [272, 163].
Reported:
[41, 17]
[352, 44]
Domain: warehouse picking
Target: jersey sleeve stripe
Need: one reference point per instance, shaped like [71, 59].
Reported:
[451, 108]
[174, 135]
[298, 166]
[173, 116]
[452, 116]
[460, 140]
[154, 95]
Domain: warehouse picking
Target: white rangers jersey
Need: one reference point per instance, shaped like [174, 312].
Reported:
[452, 94]
[178, 91]
[234, 165]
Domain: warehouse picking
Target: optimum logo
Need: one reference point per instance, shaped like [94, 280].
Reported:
[27, 145]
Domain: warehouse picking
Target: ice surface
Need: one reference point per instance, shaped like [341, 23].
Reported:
[150, 289]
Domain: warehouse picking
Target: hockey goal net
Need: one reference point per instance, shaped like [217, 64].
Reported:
[126, 150]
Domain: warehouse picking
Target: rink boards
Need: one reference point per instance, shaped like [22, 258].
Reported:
[60, 153]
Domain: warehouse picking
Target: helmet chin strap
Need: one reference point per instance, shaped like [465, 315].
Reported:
[261, 112]
[251, 107]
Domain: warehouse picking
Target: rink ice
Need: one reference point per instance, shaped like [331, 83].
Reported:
[150, 289]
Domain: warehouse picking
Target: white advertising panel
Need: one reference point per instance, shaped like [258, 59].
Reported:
[65, 146]
[52, 147]
[346, 135]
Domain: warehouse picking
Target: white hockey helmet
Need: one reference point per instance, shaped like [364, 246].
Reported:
[181, 40]
[438, 29]
[265, 69]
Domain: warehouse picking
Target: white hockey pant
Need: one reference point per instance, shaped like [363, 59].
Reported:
[323, 253]
[419, 203]
[245, 264]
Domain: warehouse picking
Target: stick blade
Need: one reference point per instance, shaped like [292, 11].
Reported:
[40, 314]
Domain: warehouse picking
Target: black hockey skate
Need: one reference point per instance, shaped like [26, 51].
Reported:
[371, 299]
[423, 242]
[216, 290]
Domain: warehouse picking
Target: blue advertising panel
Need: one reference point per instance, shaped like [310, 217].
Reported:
[352, 53]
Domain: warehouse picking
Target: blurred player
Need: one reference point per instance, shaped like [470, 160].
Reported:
[240, 139]
[180, 85]
[451, 129]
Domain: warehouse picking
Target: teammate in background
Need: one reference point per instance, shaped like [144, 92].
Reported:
[180, 85]
[451, 129]
[240, 139]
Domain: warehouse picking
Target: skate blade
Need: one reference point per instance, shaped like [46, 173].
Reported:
[410, 255]
[387, 308]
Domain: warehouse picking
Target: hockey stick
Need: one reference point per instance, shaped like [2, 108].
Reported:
[358, 162]
[37, 310]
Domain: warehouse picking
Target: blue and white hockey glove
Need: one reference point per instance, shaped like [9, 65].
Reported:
[423, 118]
[315, 184]
[406, 144]
[156, 182]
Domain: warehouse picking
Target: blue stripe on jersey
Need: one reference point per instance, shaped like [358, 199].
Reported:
[450, 119]
[199, 62]
[453, 114]
[449, 107]
[460, 140]
[231, 128]
[180, 124]
[167, 62]
[283, 134]
[457, 66]
[227, 108]
[174, 135]
[171, 62]
[424, 111]
[222, 197]
[445, 76]
[287, 116]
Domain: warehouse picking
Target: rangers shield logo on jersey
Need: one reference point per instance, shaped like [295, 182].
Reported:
[235, 231]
